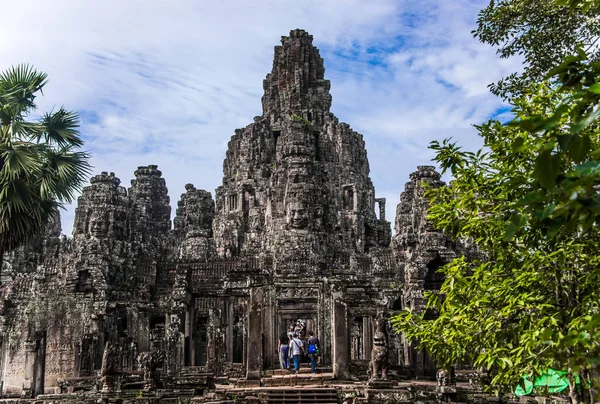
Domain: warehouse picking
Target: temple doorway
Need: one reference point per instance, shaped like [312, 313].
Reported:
[301, 323]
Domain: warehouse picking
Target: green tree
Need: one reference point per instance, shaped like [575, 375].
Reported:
[541, 32]
[40, 165]
[530, 201]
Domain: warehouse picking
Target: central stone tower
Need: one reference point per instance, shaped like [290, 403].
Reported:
[296, 181]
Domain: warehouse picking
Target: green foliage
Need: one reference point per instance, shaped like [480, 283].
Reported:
[307, 125]
[540, 32]
[40, 165]
[530, 202]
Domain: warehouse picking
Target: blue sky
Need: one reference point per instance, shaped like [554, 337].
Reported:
[167, 82]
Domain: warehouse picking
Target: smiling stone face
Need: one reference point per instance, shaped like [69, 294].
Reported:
[297, 215]
[98, 226]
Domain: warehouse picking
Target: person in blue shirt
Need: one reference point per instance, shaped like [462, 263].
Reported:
[313, 350]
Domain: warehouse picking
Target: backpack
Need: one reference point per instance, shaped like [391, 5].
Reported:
[312, 348]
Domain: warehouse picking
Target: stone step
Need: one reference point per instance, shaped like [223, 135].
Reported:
[303, 379]
[247, 383]
[301, 396]
[304, 368]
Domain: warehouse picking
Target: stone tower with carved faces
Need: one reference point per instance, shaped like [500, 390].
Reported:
[296, 181]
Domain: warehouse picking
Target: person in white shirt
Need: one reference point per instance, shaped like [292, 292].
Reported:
[297, 350]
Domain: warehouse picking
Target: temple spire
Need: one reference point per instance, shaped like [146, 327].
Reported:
[296, 85]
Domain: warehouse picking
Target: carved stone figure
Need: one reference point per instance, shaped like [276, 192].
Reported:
[173, 339]
[379, 353]
[98, 226]
[102, 209]
[109, 369]
[297, 215]
[149, 362]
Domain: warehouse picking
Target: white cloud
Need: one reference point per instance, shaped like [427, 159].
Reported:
[166, 83]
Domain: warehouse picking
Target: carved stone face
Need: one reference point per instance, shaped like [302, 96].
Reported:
[98, 226]
[297, 215]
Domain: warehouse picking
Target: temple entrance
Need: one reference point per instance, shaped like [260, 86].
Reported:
[361, 338]
[300, 323]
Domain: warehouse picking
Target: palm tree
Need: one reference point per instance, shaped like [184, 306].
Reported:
[40, 165]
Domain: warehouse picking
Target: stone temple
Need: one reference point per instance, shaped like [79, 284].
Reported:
[295, 233]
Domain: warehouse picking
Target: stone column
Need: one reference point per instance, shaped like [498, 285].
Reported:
[341, 341]
[325, 326]
[270, 345]
[175, 343]
[30, 348]
[254, 344]
[367, 337]
[190, 319]
[229, 332]
[213, 340]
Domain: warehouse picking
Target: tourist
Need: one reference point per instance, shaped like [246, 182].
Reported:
[290, 335]
[283, 348]
[299, 329]
[313, 350]
[297, 350]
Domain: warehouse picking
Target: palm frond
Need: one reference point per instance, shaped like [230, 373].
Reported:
[40, 167]
[18, 86]
[23, 77]
[70, 170]
[18, 160]
[17, 196]
[27, 130]
[17, 228]
[62, 128]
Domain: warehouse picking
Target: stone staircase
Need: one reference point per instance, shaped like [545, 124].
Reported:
[284, 378]
[312, 395]
[280, 386]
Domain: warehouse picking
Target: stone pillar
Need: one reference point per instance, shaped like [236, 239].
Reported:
[30, 348]
[141, 321]
[229, 332]
[381, 202]
[341, 341]
[213, 340]
[270, 345]
[175, 343]
[325, 326]
[190, 318]
[367, 337]
[254, 344]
